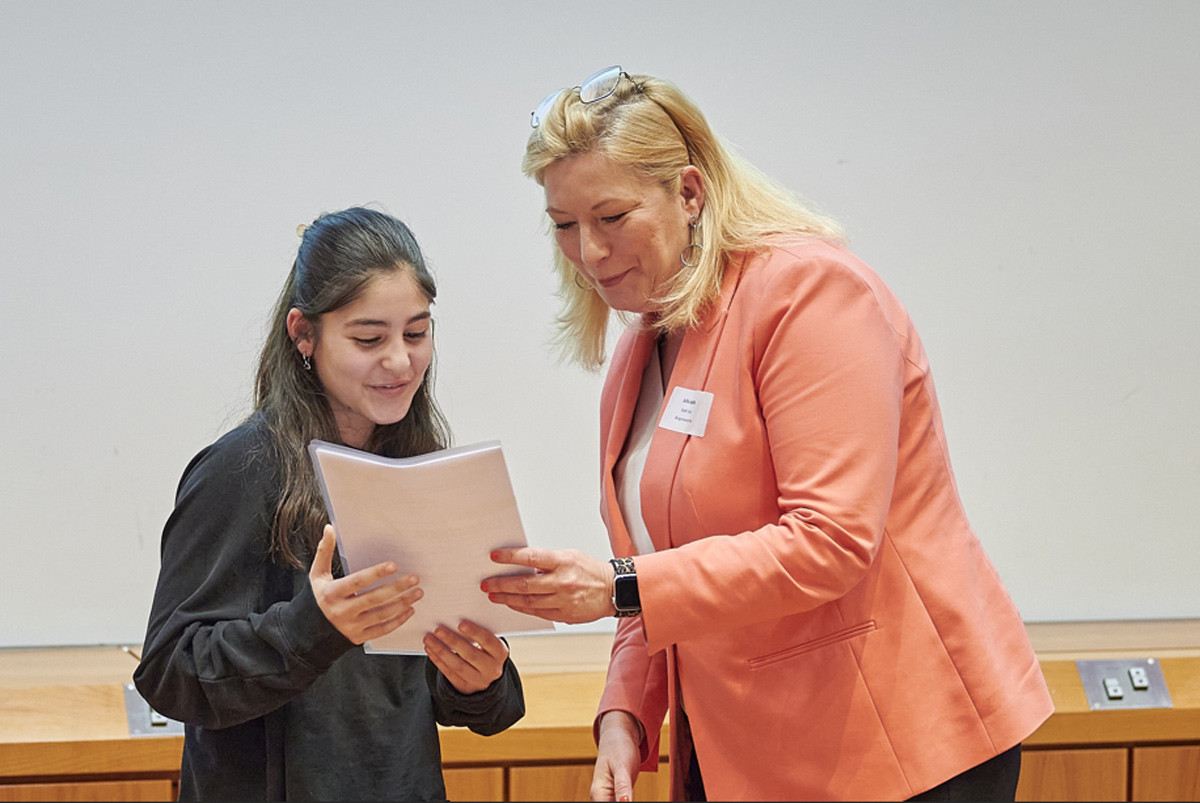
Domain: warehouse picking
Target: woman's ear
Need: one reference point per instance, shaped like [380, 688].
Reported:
[691, 190]
[300, 331]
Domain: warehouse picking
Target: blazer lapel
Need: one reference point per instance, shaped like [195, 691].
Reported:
[625, 382]
[691, 371]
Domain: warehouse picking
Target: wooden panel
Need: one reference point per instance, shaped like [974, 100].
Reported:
[461, 746]
[574, 782]
[1073, 721]
[567, 782]
[557, 725]
[482, 783]
[44, 713]
[158, 754]
[1099, 774]
[1166, 773]
[64, 709]
[66, 667]
[524, 742]
[90, 791]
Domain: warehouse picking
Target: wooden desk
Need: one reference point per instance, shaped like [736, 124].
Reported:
[63, 732]
[1146, 754]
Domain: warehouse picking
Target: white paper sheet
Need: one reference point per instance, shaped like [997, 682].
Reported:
[438, 516]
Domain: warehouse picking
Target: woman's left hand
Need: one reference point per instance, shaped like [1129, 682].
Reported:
[570, 586]
[471, 659]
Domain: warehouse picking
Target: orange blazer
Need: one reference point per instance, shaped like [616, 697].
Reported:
[818, 601]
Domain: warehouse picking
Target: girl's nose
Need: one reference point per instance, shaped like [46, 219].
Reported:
[396, 358]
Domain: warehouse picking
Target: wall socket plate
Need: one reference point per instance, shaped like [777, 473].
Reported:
[1124, 683]
[144, 720]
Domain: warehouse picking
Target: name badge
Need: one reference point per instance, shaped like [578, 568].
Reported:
[687, 411]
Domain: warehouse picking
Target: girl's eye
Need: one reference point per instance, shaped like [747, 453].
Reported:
[417, 335]
[367, 341]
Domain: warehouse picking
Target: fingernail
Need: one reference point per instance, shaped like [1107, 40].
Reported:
[495, 556]
[483, 586]
[491, 597]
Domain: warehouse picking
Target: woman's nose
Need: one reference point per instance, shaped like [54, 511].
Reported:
[592, 247]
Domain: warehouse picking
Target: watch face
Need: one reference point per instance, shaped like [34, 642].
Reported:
[626, 593]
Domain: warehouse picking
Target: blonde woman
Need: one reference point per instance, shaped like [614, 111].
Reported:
[796, 580]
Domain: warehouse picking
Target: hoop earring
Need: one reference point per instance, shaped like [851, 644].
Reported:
[307, 361]
[693, 248]
[584, 285]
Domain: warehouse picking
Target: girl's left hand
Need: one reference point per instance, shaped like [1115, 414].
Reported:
[471, 659]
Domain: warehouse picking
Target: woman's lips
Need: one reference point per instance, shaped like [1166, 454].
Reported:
[613, 281]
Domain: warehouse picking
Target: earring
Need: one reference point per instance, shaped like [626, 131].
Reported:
[584, 285]
[693, 248]
[307, 361]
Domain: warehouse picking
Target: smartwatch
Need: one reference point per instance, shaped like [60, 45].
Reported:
[625, 597]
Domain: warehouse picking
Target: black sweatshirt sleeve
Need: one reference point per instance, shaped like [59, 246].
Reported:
[227, 641]
[485, 712]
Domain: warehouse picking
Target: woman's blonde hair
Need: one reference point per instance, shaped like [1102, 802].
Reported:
[650, 126]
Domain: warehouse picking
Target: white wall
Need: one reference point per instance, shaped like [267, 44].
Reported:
[1025, 175]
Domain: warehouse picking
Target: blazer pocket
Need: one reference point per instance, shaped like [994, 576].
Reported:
[836, 637]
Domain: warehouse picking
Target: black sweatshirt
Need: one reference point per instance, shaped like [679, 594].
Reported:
[277, 704]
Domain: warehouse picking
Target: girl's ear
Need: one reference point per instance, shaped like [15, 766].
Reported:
[300, 331]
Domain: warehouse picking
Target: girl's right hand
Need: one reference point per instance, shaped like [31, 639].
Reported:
[361, 617]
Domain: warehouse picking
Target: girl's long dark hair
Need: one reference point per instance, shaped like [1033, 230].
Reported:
[339, 254]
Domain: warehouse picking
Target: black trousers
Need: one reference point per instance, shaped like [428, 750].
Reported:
[994, 779]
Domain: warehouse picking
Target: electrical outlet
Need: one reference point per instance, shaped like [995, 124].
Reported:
[1138, 678]
[1124, 683]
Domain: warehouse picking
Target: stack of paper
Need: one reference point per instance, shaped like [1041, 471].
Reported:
[438, 516]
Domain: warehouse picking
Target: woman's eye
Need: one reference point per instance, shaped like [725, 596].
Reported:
[564, 226]
[367, 341]
[613, 218]
[417, 335]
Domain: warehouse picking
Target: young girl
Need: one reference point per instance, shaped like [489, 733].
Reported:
[253, 639]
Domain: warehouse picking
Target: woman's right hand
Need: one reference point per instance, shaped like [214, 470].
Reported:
[618, 755]
[361, 617]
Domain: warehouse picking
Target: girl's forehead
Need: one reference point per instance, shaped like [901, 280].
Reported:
[391, 297]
